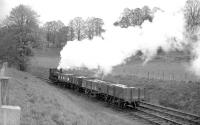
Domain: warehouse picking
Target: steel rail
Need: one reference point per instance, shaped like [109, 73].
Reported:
[161, 118]
[192, 116]
[173, 117]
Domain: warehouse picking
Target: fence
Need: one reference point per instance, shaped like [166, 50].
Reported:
[9, 115]
[167, 76]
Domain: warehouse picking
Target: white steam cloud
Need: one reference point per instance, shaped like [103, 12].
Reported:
[165, 31]
[195, 63]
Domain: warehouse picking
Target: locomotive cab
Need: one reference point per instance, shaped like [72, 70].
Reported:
[53, 74]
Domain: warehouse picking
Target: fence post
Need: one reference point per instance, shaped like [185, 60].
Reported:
[4, 88]
[9, 115]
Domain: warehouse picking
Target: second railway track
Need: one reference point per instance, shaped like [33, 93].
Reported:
[163, 115]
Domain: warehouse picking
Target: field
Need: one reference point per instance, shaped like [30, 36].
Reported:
[171, 66]
[46, 58]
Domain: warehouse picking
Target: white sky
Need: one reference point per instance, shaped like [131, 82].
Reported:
[65, 10]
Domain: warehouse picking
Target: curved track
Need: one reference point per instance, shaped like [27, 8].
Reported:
[155, 114]
[162, 115]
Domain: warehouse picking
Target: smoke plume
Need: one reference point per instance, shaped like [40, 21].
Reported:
[165, 31]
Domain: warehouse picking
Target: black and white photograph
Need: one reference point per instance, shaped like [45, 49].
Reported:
[99, 62]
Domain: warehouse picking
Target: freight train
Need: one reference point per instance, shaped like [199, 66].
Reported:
[117, 94]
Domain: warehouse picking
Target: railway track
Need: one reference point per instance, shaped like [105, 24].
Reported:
[156, 114]
[160, 115]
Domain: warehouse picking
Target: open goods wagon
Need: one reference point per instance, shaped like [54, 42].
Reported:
[118, 94]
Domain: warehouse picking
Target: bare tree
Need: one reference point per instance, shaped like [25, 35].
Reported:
[192, 15]
[23, 16]
[78, 26]
[52, 28]
[98, 26]
[94, 27]
[89, 24]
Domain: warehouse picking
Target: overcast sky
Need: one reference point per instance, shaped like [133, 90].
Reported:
[64, 10]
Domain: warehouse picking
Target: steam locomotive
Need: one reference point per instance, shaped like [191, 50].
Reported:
[117, 94]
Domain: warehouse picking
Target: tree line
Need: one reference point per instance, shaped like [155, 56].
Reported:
[77, 29]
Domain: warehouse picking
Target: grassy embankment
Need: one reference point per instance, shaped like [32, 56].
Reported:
[42, 104]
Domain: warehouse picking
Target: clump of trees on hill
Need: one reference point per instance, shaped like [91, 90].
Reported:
[134, 17]
[192, 20]
[192, 15]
